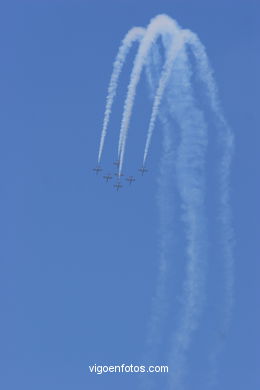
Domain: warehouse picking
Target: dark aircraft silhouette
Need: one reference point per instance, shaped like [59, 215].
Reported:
[97, 169]
[107, 177]
[119, 174]
[143, 170]
[130, 179]
[118, 186]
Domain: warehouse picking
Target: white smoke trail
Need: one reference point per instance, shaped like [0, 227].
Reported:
[165, 204]
[191, 183]
[190, 169]
[161, 24]
[177, 43]
[191, 187]
[135, 34]
[226, 140]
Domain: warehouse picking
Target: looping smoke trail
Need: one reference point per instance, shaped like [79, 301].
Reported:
[161, 24]
[165, 204]
[190, 168]
[135, 34]
[173, 83]
[171, 55]
[226, 141]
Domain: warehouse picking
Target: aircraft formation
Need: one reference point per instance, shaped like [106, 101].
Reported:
[119, 176]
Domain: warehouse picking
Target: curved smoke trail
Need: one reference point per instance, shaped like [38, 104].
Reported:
[172, 53]
[165, 205]
[165, 202]
[135, 34]
[173, 84]
[226, 141]
[191, 177]
[159, 25]
[190, 168]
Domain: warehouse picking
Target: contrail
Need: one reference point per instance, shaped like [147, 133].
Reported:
[161, 24]
[165, 202]
[190, 168]
[190, 314]
[177, 43]
[226, 142]
[191, 177]
[184, 153]
[135, 34]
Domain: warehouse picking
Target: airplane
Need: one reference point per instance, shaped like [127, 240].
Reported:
[107, 177]
[97, 169]
[117, 163]
[130, 179]
[119, 174]
[143, 170]
[118, 185]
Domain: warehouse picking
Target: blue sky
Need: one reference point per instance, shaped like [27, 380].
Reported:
[78, 260]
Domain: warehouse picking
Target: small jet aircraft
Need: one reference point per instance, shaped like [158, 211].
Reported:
[119, 174]
[117, 163]
[107, 177]
[143, 170]
[118, 186]
[130, 179]
[97, 169]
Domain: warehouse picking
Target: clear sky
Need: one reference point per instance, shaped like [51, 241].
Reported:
[78, 260]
